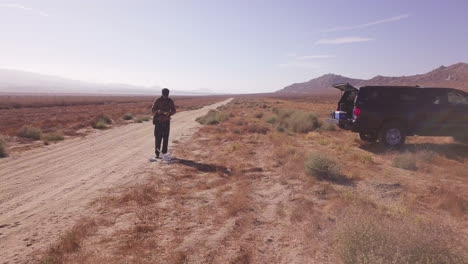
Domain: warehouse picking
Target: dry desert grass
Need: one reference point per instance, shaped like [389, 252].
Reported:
[243, 191]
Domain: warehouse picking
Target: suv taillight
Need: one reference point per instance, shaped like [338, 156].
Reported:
[356, 112]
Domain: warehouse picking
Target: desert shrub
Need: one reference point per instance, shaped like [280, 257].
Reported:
[127, 116]
[365, 236]
[294, 120]
[322, 167]
[3, 151]
[272, 119]
[100, 125]
[405, 161]
[54, 136]
[213, 117]
[30, 132]
[259, 115]
[102, 122]
[105, 119]
[143, 119]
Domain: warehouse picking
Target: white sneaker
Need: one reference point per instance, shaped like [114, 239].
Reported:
[166, 157]
[153, 159]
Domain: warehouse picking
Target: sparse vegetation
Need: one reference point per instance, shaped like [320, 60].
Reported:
[3, 150]
[234, 183]
[405, 161]
[30, 132]
[73, 113]
[127, 116]
[257, 128]
[213, 117]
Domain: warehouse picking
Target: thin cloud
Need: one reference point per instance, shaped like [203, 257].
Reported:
[313, 57]
[343, 40]
[373, 23]
[41, 13]
[304, 61]
[299, 64]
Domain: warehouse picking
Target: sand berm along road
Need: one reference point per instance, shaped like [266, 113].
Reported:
[44, 191]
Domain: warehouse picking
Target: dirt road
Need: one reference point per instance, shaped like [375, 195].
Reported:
[42, 192]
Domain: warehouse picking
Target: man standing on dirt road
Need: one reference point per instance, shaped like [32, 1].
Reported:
[163, 108]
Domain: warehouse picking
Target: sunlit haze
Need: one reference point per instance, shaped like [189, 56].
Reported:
[229, 46]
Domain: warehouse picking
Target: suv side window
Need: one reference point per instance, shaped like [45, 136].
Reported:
[455, 98]
[436, 98]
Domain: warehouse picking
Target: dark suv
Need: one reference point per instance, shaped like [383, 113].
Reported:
[390, 113]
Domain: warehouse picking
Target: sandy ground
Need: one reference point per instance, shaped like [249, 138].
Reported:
[44, 191]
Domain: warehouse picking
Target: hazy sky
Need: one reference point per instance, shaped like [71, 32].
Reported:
[230, 46]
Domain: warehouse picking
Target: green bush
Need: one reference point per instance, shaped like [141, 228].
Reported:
[54, 136]
[294, 120]
[100, 125]
[127, 116]
[3, 151]
[320, 166]
[405, 161]
[102, 122]
[30, 132]
[302, 122]
[105, 119]
[272, 119]
[213, 117]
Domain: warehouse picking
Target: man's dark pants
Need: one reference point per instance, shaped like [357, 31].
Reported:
[161, 133]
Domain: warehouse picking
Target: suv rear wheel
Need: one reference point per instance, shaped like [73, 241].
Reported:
[393, 134]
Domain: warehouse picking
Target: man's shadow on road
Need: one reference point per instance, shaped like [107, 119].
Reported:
[203, 167]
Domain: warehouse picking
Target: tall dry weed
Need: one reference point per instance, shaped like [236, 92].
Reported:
[371, 237]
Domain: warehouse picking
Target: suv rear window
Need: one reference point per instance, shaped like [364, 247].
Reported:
[393, 95]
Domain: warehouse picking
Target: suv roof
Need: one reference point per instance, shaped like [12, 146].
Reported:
[348, 87]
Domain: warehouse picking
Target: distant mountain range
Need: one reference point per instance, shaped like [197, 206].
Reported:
[15, 81]
[454, 76]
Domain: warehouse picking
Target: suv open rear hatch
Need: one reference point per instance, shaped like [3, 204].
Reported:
[343, 115]
[345, 87]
